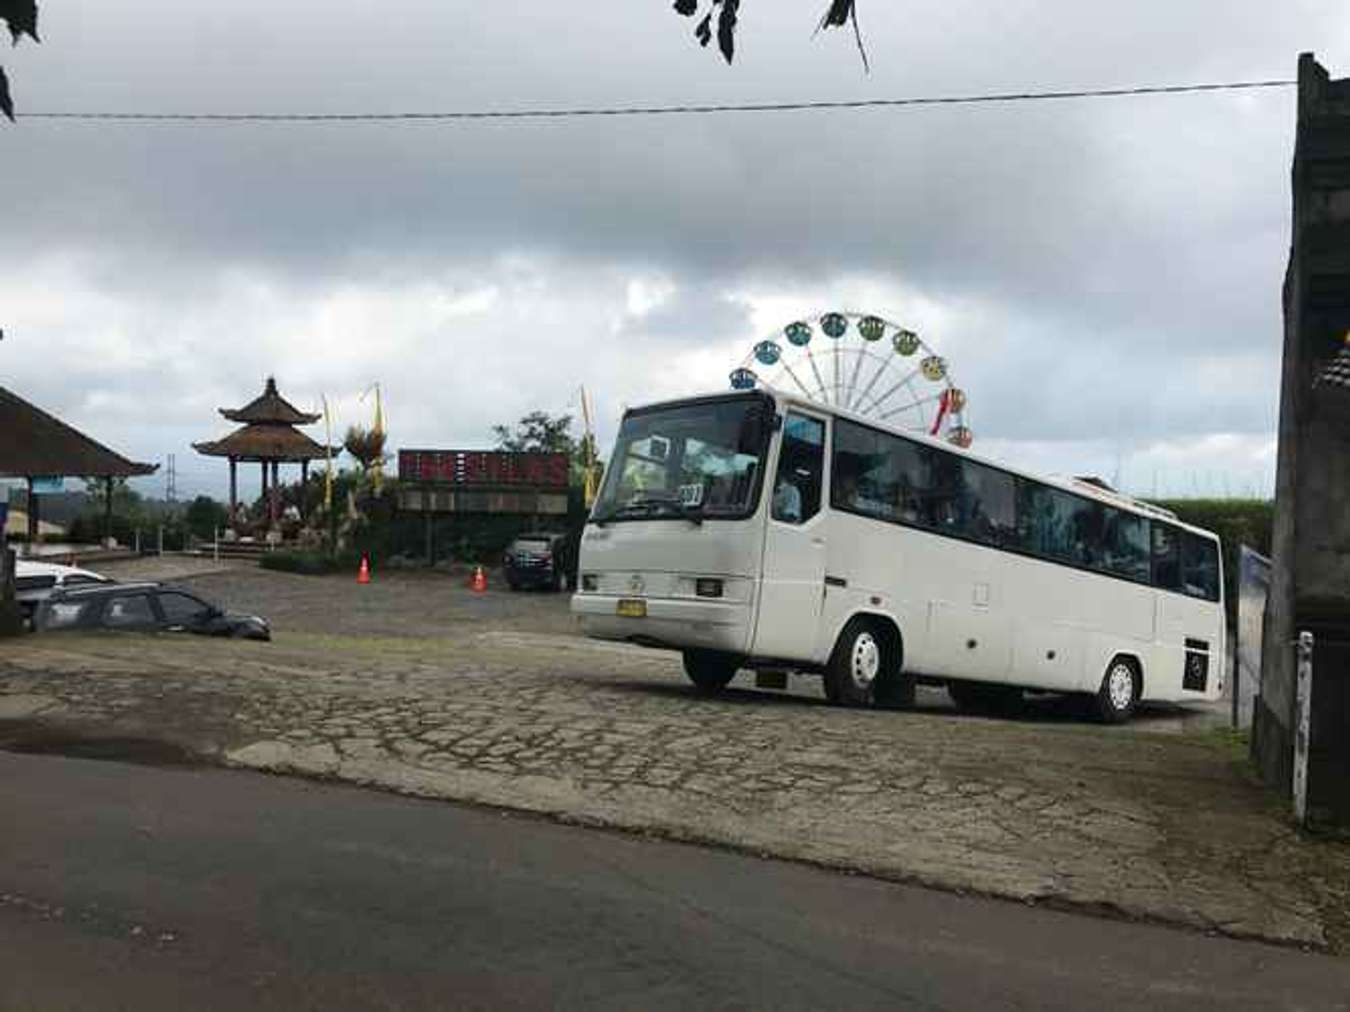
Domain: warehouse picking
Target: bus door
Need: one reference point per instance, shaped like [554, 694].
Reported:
[793, 587]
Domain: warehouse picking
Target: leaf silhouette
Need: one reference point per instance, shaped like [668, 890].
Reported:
[703, 32]
[21, 15]
[838, 14]
[6, 104]
[726, 28]
[688, 8]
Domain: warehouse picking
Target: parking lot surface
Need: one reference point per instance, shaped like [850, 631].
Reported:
[415, 684]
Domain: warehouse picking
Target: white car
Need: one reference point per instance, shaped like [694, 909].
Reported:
[34, 582]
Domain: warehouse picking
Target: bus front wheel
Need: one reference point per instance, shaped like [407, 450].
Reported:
[708, 670]
[1119, 693]
[864, 667]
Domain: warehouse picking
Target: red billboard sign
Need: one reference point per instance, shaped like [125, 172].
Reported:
[484, 468]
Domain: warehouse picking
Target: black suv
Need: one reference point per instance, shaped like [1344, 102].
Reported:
[541, 559]
[144, 607]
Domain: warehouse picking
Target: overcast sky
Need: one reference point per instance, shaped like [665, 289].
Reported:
[1104, 276]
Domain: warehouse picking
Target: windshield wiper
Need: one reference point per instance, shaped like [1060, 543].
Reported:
[694, 514]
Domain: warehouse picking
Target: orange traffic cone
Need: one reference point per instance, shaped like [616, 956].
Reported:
[478, 582]
[363, 574]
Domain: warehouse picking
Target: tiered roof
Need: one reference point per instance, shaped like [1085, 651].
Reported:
[270, 407]
[269, 431]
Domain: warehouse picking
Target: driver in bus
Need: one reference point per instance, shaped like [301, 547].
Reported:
[787, 502]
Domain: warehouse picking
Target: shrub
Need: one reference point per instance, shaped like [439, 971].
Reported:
[309, 563]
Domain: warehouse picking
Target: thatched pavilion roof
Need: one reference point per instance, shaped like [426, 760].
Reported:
[270, 407]
[266, 442]
[36, 444]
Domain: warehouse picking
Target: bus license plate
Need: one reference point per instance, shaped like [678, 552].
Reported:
[632, 608]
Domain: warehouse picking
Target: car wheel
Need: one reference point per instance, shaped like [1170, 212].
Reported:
[861, 656]
[709, 670]
[512, 586]
[1119, 693]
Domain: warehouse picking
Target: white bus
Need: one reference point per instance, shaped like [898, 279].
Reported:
[880, 558]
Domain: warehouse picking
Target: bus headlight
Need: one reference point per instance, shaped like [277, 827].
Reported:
[589, 582]
[707, 586]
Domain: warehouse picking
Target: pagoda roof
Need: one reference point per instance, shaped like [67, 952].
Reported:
[36, 444]
[270, 406]
[266, 442]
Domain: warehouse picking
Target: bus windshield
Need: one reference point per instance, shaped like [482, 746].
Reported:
[687, 460]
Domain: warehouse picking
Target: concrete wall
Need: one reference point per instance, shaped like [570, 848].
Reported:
[1310, 586]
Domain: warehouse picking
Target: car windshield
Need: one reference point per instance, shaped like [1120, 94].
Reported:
[687, 460]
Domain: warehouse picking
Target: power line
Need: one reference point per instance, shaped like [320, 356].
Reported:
[651, 110]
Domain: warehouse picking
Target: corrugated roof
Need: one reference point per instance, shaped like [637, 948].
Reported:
[34, 443]
[265, 442]
[270, 406]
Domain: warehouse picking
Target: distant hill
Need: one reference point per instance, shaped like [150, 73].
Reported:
[60, 508]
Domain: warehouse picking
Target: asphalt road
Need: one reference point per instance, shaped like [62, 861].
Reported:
[125, 886]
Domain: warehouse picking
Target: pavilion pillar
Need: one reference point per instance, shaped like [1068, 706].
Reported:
[276, 491]
[107, 509]
[304, 487]
[265, 499]
[234, 489]
[32, 518]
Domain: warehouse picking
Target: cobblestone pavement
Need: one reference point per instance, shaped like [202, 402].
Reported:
[492, 699]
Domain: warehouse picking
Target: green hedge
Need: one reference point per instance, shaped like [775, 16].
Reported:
[309, 563]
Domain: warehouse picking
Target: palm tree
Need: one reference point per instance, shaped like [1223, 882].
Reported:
[366, 445]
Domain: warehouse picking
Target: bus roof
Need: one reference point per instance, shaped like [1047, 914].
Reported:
[1088, 490]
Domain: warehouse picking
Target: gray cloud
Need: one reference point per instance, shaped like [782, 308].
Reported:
[1106, 269]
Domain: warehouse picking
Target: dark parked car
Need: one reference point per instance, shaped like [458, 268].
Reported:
[144, 607]
[542, 559]
[34, 582]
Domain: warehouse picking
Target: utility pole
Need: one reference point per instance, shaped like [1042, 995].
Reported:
[171, 481]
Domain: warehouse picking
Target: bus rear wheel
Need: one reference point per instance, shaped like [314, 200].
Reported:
[1118, 696]
[709, 670]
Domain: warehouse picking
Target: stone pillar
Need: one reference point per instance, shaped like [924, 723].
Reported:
[234, 488]
[304, 488]
[11, 616]
[1310, 578]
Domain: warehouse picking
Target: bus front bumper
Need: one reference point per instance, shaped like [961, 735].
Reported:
[675, 623]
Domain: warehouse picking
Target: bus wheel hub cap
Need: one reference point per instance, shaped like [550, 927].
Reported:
[1121, 686]
[866, 661]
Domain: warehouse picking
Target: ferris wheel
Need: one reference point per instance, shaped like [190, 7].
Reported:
[864, 364]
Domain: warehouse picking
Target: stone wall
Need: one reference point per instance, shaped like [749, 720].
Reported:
[1310, 586]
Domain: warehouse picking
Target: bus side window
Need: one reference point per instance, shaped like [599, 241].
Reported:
[1127, 544]
[989, 507]
[1199, 567]
[1166, 557]
[801, 463]
[945, 500]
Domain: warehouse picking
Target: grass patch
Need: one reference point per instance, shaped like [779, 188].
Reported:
[1236, 741]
